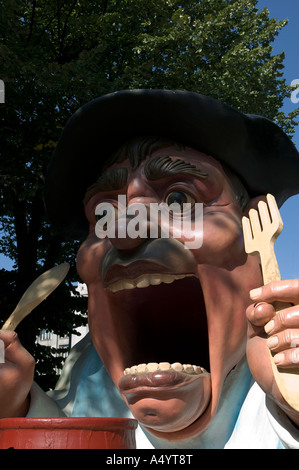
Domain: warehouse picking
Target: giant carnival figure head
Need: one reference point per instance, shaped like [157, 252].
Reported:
[167, 317]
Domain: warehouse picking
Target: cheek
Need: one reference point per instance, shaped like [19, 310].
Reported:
[89, 260]
[222, 240]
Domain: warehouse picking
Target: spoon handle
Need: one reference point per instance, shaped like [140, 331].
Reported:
[44, 285]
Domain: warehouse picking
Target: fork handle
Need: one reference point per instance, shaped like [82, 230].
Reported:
[287, 380]
[269, 265]
[271, 272]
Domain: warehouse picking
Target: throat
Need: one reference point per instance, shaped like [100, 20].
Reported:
[163, 327]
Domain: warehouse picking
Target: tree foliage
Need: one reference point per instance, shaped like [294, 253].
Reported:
[57, 55]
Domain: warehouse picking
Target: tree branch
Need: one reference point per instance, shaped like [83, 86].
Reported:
[53, 251]
[32, 21]
[23, 250]
[61, 46]
[47, 26]
[105, 6]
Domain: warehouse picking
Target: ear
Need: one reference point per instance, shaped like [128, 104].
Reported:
[254, 202]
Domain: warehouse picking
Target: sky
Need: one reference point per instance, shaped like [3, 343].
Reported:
[287, 244]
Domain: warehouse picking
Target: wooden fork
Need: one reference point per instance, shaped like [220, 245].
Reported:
[260, 231]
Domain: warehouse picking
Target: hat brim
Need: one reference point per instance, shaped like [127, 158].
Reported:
[255, 148]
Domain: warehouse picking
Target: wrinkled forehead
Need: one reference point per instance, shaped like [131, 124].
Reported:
[165, 161]
[188, 155]
[157, 163]
[158, 158]
[139, 149]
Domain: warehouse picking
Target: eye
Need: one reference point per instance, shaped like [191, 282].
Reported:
[180, 198]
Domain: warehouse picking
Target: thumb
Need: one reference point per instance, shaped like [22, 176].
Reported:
[14, 351]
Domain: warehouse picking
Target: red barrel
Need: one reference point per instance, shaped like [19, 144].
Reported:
[67, 433]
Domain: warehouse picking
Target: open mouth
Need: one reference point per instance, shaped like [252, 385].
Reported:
[163, 332]
[145, 280]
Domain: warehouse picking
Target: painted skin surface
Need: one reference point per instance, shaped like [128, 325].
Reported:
[153, 301]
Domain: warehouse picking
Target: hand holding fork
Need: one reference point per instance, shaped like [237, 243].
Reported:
[261, 229]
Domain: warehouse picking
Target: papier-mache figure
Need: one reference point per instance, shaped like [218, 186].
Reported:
[180, 336]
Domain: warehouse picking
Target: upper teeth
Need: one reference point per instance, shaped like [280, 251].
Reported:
[145, 280]
[154, 366]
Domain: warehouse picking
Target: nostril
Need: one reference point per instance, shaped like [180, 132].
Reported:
[130, 232]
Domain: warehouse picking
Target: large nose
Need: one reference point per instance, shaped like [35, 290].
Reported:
[132, 226]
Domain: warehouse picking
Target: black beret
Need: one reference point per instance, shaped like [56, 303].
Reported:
[254, 147]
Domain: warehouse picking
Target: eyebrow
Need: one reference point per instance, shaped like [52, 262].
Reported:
[112, 179]
[155, 169]
[165, 167]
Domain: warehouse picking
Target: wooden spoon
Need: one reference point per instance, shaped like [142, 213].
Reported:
[44, 285]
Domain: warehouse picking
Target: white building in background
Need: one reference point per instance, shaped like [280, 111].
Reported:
[47, 338]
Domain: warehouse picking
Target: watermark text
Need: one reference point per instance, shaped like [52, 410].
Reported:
[151, 220]
[295, 93]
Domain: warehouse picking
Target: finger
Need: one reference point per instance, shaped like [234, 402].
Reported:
[285, 340]
[260, 313]
[288, 359]
[285, 291]
[286, 318]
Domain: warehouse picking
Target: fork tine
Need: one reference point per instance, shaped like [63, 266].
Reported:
[248, 238]
[275, 215]
[264, 214]
[255, 222]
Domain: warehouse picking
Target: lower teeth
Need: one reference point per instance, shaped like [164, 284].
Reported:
[162, 366]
